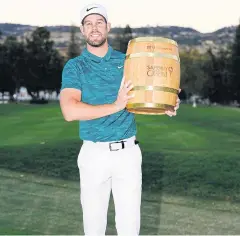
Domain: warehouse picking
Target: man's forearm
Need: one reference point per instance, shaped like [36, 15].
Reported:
[75, 110]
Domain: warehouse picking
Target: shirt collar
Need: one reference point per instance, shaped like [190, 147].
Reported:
[95, 58]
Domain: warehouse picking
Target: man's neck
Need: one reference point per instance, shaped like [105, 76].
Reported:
[98, 51]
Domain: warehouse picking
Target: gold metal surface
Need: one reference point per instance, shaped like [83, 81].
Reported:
[155, 88]
[153, 54]
[146, 108]
[153, 39]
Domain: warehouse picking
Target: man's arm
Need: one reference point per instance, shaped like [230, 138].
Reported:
[74, 109]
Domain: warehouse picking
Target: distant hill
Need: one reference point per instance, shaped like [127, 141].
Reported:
[186, 37]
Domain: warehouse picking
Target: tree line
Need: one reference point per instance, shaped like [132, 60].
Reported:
[37, 65]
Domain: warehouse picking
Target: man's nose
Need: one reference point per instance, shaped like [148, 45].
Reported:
[94, 26]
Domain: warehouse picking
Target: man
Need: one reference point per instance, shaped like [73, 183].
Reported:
[93, 92]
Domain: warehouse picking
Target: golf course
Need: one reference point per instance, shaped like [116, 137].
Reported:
[191, 172]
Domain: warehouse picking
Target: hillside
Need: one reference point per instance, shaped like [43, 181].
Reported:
[186, 37]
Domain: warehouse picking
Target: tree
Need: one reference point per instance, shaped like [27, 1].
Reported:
[44, 63]
[12, 65]
[36, 65]
[236, 66]
[73, 48]
[193, 76]
[126, 37]
[2, 68]
[218, 87]
[116, 43]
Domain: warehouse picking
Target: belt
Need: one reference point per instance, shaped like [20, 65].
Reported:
[115, 145]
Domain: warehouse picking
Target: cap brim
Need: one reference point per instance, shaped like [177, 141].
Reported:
[93, 14]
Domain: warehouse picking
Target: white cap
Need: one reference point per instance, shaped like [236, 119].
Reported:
[93, 9]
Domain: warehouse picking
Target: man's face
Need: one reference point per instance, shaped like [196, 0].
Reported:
[95, 30]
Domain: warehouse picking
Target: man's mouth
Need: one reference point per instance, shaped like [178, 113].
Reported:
[95, 35]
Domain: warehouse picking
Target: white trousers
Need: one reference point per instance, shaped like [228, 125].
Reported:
[102, 171]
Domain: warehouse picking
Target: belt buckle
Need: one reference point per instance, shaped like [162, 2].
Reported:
[122, 142]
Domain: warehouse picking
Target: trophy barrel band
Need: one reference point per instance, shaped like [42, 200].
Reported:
[153, 39]
[153, 54]
[155, 88]
[150, 105]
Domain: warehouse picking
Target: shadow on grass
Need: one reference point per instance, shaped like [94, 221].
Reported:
[197, 175]
[60, 161]
[52, 160]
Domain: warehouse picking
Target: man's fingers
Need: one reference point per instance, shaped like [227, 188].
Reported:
[127, 97]
[176, 107]
[167, 113]
[171, 113]
[128, 83]
[122, 83]
[130, 87]
[131, 96]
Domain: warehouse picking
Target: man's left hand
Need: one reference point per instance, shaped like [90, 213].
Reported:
[174, 113]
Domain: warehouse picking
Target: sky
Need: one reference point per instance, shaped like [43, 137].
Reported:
[202, 15]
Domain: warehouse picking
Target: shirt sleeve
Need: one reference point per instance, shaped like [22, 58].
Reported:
[70, 77]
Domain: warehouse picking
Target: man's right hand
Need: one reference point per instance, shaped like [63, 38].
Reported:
[123, 96]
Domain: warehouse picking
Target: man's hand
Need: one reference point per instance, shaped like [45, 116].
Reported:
[123, 96]
[174, 113]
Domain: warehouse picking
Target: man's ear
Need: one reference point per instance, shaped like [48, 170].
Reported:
[108, 26]
[81, 29]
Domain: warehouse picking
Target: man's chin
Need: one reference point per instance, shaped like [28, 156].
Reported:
[96, 44]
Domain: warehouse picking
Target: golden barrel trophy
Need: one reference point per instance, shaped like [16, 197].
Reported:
[153, 66]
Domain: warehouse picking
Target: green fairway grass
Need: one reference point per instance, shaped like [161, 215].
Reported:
[191, 177]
